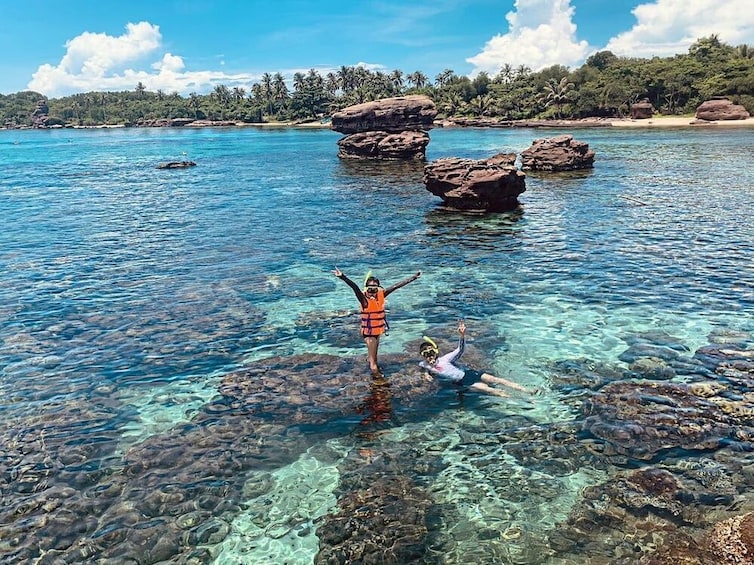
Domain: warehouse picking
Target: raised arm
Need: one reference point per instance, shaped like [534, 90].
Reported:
[404, 282]
[356, 290]
[454, 355]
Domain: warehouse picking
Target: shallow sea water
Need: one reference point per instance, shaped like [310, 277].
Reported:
[127, 293]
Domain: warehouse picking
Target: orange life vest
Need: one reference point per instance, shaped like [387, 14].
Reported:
[373, 322]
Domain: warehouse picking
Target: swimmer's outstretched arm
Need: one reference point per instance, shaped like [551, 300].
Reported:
[356, 290]
[404, 282]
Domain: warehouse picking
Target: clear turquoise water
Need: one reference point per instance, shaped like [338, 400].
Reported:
[148, 285]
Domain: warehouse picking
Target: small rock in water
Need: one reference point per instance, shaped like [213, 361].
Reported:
[176, 165]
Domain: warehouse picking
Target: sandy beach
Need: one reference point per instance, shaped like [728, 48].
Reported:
[654, 122]
[679, 121]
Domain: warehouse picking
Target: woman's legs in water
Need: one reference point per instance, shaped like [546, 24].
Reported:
[491, 379]
[487, 389]
[373, 344]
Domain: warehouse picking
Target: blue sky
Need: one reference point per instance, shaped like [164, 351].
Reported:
[58, 48]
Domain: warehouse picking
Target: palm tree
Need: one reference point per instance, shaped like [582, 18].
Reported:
[222, 94]
[314, 80]
[556, 93]
[299, 82]
[103, 102]
[346, 79]
[280, 92]
[450, 103]
[267, 92]
[418, 79]
[522, 71]
[481, 105]
[506, 74]
[444, 78]
[332, 84]
[396, 77]
[239, 93]
[256, 94]
[194, 103]
[360, 77]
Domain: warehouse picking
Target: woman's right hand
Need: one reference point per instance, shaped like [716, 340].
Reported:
[338, 273]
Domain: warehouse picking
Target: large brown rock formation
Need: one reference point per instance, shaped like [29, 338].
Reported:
[721, 109]
[384, 145]
[40, 115]
[491, 185]
[391, 128]
[401, 113]
[642, 110]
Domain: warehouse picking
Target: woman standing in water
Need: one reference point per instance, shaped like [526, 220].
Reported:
[372, 302]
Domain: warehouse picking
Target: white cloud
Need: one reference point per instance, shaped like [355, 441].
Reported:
[96, 53]
[541, 33]
[667, 27]
[100, 62]
[169, 63]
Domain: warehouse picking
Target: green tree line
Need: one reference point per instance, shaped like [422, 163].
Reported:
[604, 86]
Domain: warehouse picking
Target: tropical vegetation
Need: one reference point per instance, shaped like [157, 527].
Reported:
[606, 85]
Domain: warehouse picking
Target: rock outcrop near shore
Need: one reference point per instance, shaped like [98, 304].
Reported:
[488, 185]
[40, 115]
[560, 153]
[721, 109]
[642, 110]
[391, 128]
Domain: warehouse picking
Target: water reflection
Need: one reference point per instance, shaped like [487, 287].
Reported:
[390, 172]
[377, 408]
[448, 229]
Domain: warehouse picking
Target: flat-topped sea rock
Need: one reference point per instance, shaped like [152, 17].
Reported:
[401, 113]
[488, 185]
[559, 153]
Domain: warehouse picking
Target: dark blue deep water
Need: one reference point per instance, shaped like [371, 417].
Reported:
[127, 293]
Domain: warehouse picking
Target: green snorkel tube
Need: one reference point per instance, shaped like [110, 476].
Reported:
[432, 343]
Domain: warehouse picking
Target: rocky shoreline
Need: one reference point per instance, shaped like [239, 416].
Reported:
[655, 122]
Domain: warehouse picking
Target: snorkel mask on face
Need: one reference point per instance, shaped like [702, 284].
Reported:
[371, 284]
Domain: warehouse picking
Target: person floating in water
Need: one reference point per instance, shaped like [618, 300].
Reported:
[445, 368]
[372, 302]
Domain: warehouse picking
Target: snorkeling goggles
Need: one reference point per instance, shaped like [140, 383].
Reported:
[366, 278]
[428, 346]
